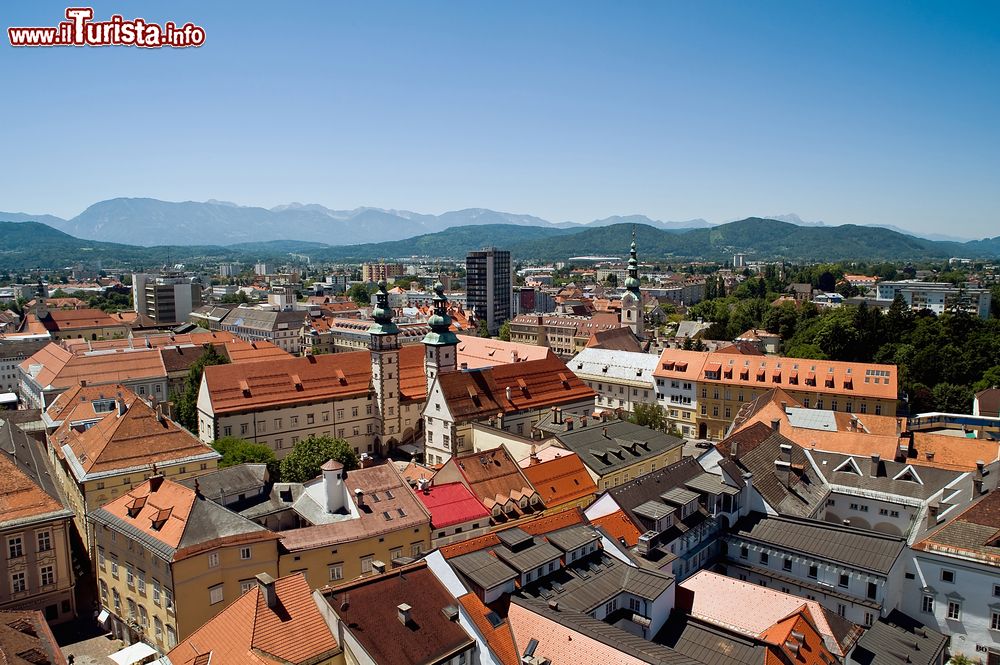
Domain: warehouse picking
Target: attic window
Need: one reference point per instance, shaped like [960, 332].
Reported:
[909, 474]
[245, 387]
[136, 506]
[605, 369]
[160, 518]
[849, 466]
[297, 381]
[341, 377]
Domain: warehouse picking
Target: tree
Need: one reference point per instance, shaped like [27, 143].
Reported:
[483, 330]
[186, 401]
[240, 451]
[650, 415]
[611, 279]
[306, 457]
[359, 294]
[950, 398]
[504, 331]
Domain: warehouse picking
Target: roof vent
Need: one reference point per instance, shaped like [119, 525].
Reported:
[450, 612]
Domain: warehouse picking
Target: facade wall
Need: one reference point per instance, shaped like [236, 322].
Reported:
[680, 401]
[326, 564]
[618, 393]
[31, 552]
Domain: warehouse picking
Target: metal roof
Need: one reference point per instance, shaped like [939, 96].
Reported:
[652, 509]
[483, 569]
[573, 537]
[529, 558]
[679, 496]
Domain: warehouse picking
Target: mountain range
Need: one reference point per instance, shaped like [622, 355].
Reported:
[150, 222]
[31, 244]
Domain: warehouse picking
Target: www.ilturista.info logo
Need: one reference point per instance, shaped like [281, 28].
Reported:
[81, 30]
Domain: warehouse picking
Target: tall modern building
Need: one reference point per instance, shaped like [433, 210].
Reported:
[488, 284]
[167, 298]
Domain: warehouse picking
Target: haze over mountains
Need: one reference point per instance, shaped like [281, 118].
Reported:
[150, 222]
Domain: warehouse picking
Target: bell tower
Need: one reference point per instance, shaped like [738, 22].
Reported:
[383, 343]
[632, 314]
[440, 344]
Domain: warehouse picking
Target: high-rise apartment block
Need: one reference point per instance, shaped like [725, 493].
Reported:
[488, 284]
[167, 298]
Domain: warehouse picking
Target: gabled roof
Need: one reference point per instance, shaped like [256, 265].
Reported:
[248, 632]
[63, 320]
[615, 339]
[619, 526]
[174, 520]
[974, 533]
[859, 548]
[561, 480]
[55, 367]
[792, 489]
[533, 384]
[134, 439]
[494, 628]
[27, 489]
[450, 504]
[479, 352]
[368, 610]
[649, 487]
[615, 366]
[989, 402]
[538, 525]
[899, 638]
[493, 477]
[608, 446]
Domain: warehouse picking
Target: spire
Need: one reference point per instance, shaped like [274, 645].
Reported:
[440, 322]
[632, 283]
[382, 314]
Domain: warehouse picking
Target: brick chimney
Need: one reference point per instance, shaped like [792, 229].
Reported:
[155, 481]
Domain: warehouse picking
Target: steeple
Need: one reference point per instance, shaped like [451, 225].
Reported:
[440, 344]
[383, 342]
[382, 313]
[632, 283]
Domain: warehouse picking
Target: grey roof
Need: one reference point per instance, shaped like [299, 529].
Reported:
[709, 483]
[615, 366]
[710, 645]
[276, 501]
[648, 488]
[588, 583]
[801, 493]
[637, 647]
[484, 569]
[679, 496]
[898, 638]
[573, 537]
[528, 558]
[653, 510]
[262, 319]
[606, 447]
[933, 479]
[514, 536]
[13, 349]
[225, 485]
[822, 420]
[866, 550]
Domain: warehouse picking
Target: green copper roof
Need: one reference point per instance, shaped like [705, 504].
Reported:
[632, 282]
[440, 322]
[382, 313]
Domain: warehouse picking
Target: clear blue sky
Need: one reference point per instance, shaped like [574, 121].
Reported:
[861, 112]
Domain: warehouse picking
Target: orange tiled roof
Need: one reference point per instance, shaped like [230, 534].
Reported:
[169, 505]
[151, 340]
[248, 632]
[493, 476]
[20, 496]
[486, 352]
[810, 649]
[561, 480]
[60, 368]
[536, 526]
[78, 401]
[499, 638]
[62, 320]
[619, 527]
[790, 373]
[136, 438]
[534, 384]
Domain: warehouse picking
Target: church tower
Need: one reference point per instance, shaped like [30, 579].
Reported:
[384, 346]
[440, 344]
[632, 314]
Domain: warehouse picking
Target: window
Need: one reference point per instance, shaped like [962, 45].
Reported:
[310, 419]
[396, 553]
[869, 618]
[763, 558]
[143, 617]
[844, 580]
[156, 593]
[995, 620]
[336, 571]
[611, 606]
[168, 599]
[104, 592]
[44, 541]
[948, 576]
[114, 567]
[244, 552]
[996, 590]
[744, 552]
[141, 582]
[15, 547]
[872, 590]
[215, 594]
[927, 604]
[18, 583]
[244, 428]
[786, 564]
[246, 585]
[129, 575]
[954, 610]
[635, 605]
[841, 609]
[158, 625]
[118, 601]
[813, 572]
[132, 610]
[366, 563]
[213, 560]
[416, 549]
[171, 637]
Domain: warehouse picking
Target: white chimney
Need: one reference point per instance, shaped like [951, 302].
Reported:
[403, 613]
[333, 486]
[266, 584]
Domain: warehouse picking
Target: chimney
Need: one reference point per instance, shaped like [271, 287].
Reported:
[736, 449]
[583, 421]
[333, 486]
[776, 424]
[899, 427]
[378, 566]
[559, 417]
[876, 458]
[508, 391]
[569, 424]
[464, 366]
[122, 408]
[83, 383]
[534, 455]
[784, 406]
[266, 585]
[359, 497]
[932, 513]
[155, 481]
[403, 613]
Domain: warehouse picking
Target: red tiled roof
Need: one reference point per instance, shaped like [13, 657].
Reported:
[493, 477]
[60, 368]
[561, 480]
[62, 320]
[619, 527]
[248, 632]
[451, 503]
[499, 638]
[20, 496]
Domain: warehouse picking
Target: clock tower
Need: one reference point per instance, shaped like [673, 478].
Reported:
[383, 343]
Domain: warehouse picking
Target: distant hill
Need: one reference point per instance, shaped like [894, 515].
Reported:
[642, 219]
